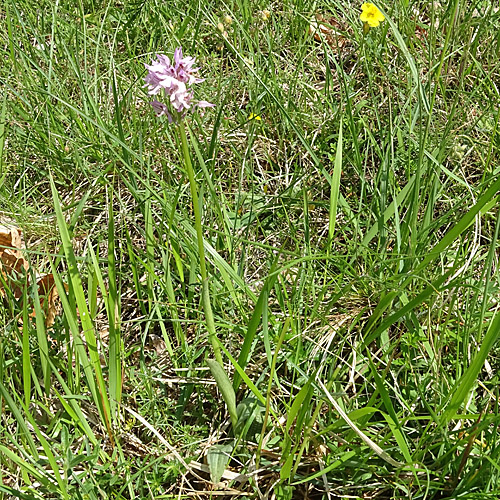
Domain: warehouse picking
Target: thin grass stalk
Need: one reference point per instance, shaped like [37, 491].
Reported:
[26, 351]
[93, 371]
[334, 192]
[468, 380]
[115, 371]
[41, 336]
[3, 129]
[423, 138]
[284, 330]
[205, 293]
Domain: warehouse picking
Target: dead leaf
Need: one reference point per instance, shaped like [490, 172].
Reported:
[12, 263]
[329, 29]
[49, 299]
[13, 266]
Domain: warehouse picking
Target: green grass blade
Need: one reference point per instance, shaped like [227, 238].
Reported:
[101, 398]
[24, 465]
[79, 346]
[410, 306]
[20, 419]
[334, 190]
[41, 335]
[3, 131]
[411, 62]
[26, 351]
[468, 380]
[115, 362]
[253, 388]
[252, 328]
[461, 225]
[343, 458]
[389, 211]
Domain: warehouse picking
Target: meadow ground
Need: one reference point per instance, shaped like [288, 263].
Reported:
[291, 294]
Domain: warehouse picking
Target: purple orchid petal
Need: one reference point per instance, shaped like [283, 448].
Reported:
[177, 57]
[205, 104]
[174, 77]
[159, 108]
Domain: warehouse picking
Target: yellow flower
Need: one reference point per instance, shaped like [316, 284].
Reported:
[265, 15]
[371, 15]
[254, 117]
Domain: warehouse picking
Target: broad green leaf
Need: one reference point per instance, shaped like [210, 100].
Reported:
[218, 457]
[226, 389]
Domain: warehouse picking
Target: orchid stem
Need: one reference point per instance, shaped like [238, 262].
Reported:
[205, 294]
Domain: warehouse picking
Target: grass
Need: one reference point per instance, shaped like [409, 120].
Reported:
[348, 189]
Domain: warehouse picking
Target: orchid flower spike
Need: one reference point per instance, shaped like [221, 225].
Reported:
[174, 78]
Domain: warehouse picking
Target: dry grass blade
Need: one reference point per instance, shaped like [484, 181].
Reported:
[371, 444]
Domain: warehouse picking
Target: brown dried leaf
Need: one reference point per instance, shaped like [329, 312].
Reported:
[49, 298]
[329, 29]
[12, 263]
